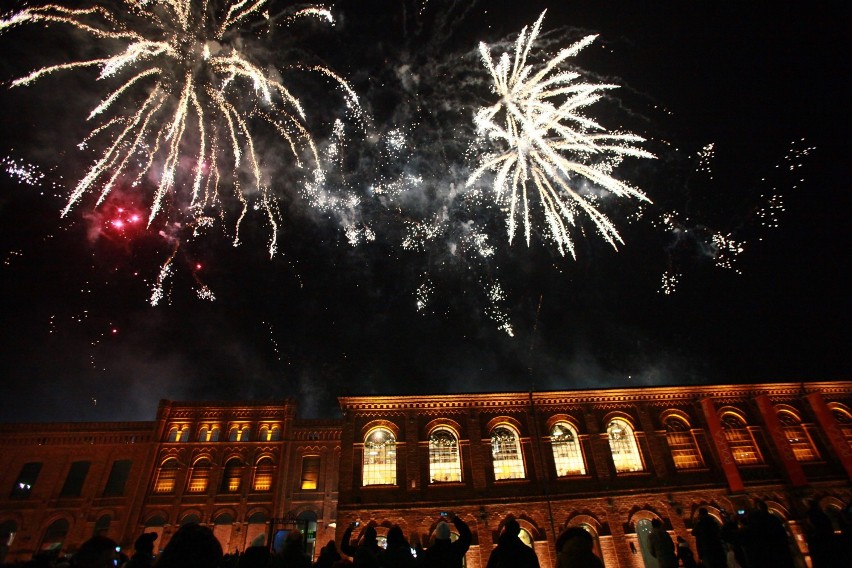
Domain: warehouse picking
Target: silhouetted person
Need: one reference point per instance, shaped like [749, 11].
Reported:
[328, 555]
[684, 553]
[366, 553]
[662, 547]
[97, 552]
[397, 554]
[293, 554]
[443, 553]
[192, 546]
[143, 555]
[575, 549]
[822, 543]
[732, 539]
[511, 552]
[708, 538]
[767, 545]
[254, 557]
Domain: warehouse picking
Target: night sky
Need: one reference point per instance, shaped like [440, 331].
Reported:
[765, 83]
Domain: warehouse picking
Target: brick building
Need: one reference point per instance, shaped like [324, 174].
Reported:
[608, 460]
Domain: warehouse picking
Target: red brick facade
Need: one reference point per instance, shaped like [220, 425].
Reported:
[248, 469]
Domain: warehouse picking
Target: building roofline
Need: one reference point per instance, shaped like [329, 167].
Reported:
[674, 393]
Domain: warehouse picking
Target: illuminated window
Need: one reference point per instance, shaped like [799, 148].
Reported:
[199, 477]
[567, 454]
[379, 458]
[263, 475]
[444, 461]
[269, 433]
[26, 479]
[208, 433]
[622, 443]
[239, 433]
[844, 423]
[178, 433]
[740, 440]
[310, 472]
[682, 444]
[798, 438]
[231, 476]
[506, 454]
[166, 477]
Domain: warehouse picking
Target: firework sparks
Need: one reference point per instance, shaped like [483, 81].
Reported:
[548, 144]
[185, 102]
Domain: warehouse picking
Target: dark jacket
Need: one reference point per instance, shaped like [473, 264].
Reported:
[511, 552]
[446, 554]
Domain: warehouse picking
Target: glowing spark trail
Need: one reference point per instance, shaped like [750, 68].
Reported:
[545, 142]
[187, 97]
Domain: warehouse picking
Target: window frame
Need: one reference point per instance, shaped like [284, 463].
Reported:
[454, 464]
[508, 472]
[374, 476]
[557, 446]
[633, 453]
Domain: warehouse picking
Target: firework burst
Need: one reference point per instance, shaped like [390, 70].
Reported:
[546, 146]
[185, 102]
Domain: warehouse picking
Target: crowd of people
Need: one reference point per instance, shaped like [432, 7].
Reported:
[758, 539]
[755, 540]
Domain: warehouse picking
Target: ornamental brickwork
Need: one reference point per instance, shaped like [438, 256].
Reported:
[609, 460]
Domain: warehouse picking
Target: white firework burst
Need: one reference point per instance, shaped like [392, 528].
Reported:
[185, 100]
[546, 147]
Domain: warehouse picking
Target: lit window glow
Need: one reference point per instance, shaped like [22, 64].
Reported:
[379, 458]
[506, 454]
[444, 462]
[567, 453]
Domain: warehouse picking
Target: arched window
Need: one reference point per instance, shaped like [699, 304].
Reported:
[102, 526]
[263, 475]
[234, 434]
[379, 458]
[622, 444]
[54, 536]
[223, 525]
[506, 453]
[444, 461]
[269, 433]
[166, 477]
[682, 444]
[844, 423]
[231, 476]
[189, 519]
[798, 438]
[179, 433]
[567, 453]
[199, 478]
[740, 440]
[208, 433]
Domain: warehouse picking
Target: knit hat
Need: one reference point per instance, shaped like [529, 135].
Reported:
[442, 531]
